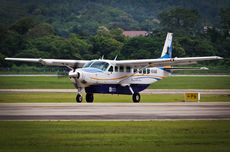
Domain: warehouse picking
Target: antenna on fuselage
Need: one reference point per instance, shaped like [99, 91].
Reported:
[115, 58]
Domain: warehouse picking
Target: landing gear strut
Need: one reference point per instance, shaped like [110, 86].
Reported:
[136, 97]
[89, 97]
[79, 98]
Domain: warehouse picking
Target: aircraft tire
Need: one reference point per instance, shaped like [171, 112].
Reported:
[136, 97]
[89, 97]
[79, 98]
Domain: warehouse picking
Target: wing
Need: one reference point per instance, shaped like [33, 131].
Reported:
[52, 62]
[166, 61]
[185, 68]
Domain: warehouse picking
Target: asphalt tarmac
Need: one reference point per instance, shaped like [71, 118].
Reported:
[115, 111]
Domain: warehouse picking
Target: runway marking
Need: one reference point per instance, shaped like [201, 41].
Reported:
[115, 111]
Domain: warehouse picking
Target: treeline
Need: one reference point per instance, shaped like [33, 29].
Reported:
[97, 31]
[85, 16]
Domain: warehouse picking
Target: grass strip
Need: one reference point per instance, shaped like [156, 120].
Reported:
[199, 82]
[164, 136]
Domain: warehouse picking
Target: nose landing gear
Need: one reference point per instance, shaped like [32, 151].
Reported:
[79, 98]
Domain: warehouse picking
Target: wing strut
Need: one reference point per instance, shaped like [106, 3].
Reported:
[130, 88]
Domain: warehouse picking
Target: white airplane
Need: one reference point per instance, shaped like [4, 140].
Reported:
[119, 76]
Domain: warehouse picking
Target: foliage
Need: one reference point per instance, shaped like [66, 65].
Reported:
[179, 20]
[89, 29]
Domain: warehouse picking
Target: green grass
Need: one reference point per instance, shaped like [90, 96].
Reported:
[70, 97]
[35, 83]
[198, 82]
[167, 83]
[165, 136]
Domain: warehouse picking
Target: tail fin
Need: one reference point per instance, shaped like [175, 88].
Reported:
[167, 50]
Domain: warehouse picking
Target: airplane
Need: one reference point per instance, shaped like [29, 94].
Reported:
[128, 77]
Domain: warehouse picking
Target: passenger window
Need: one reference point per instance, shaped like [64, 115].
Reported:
[144, 71]
[128, 69]
[121, 69]
[140, 71]
[148, 71]
[134, 70]
[116, 69]
[111, 69]
[153, 71]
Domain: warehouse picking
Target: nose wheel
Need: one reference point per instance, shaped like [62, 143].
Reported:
[136, 97]
[79, 98]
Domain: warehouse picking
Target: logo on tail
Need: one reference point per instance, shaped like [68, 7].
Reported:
[167, 50]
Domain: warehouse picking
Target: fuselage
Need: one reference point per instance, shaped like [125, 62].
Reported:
[104, 76]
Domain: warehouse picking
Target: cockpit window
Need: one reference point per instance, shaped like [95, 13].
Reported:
[98, 65]
[87, 64]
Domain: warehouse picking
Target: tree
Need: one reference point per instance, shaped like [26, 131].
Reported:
[142, 47]
[42, 29]
[32, 53]
[82, 47]
[225, 18]
[2, 60]
[107, 46]
[11, 43]
[117, 33]
[179, 20]
[196, 46]
[23, 25]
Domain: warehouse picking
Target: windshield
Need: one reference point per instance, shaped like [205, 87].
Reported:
[97, 64]
[87, 64]
[100, 65]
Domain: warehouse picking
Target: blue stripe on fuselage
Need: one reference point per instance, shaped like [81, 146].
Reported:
[147, 77]
[167, 70]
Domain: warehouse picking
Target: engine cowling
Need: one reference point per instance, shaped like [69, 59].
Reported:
[76, 74]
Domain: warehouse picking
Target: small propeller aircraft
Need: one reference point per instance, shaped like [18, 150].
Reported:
[120, 76]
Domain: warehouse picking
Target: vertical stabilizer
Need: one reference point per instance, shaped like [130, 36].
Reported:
[167, 50]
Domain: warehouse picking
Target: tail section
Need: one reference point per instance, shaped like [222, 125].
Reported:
[167, 53]
[167, 50]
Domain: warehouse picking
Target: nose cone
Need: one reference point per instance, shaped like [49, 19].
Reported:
[77, 74]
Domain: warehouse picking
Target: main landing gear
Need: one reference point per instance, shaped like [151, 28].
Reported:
[136, 97]
[89, 98]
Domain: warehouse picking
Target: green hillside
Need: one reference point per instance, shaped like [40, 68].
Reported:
[88, 29]
[69, 15]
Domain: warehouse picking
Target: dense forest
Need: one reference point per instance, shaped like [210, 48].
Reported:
[89, 29]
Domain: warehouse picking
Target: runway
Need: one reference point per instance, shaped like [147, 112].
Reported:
[146, 91]
[115, 111]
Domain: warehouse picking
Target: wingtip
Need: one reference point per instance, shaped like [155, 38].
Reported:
[220, 58]
[204, 68]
